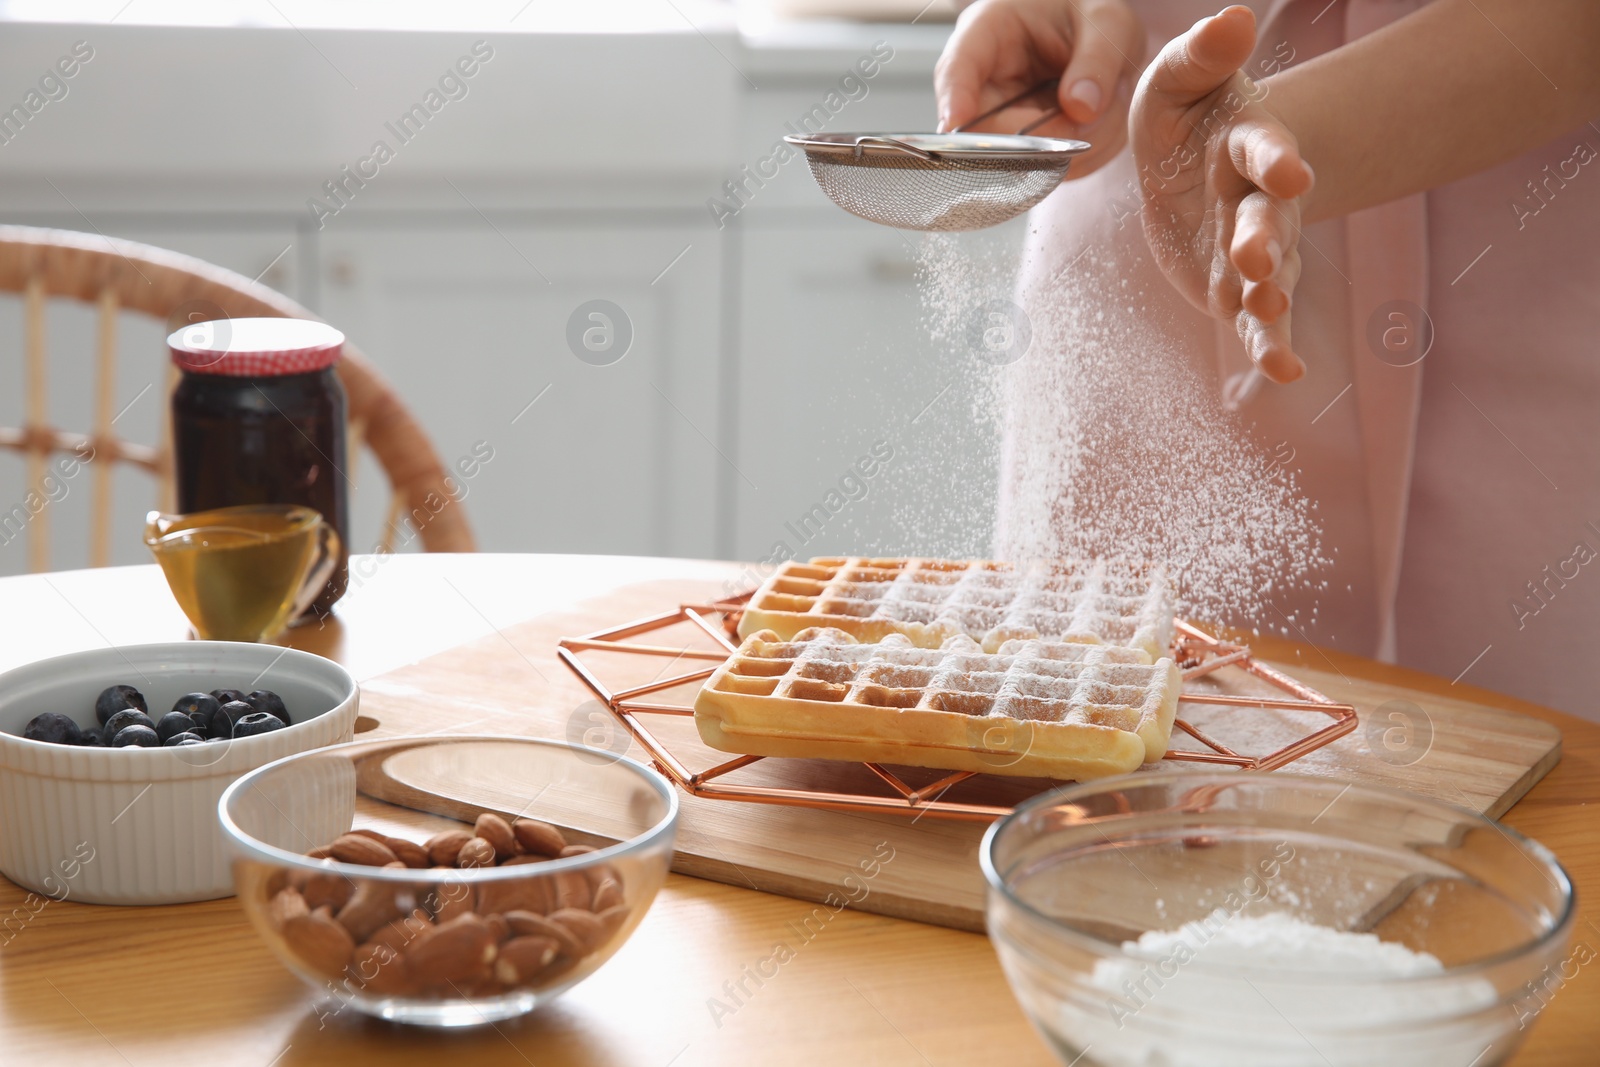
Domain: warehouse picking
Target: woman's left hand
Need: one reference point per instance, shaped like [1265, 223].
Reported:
[1221, 179]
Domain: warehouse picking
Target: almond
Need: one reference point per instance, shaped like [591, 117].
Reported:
[608, 894]
[402, 931]
[287, 904]
[540, 837]
[327, 890]
[495, 830]
[479, 984]
[444, 847]
[585, 927]
[321, 852]
[522, 958]
[596, 874]
[452, 902]
[476, 853]
[519, 861]
[371, 907]
[379, 969]
[527, 924]
[319, 943]
[452, 952]
[357, 848]
[408, 852]
[571, 890]
[523, 894]
[375, 835]
[601, 873]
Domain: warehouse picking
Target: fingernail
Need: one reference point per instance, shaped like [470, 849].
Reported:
[1274, 253]
[1281, 365]
[1088, 93]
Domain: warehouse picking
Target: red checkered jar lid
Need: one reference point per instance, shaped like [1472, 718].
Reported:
[256, 348]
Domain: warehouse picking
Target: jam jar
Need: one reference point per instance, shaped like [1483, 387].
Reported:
[259, 418]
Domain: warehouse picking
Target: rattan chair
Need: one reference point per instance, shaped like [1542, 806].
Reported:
[118, 275]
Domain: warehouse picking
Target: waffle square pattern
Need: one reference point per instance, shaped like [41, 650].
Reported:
[1035, 708]
[931, 600]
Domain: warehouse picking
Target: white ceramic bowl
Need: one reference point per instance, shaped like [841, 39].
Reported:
[139, 825]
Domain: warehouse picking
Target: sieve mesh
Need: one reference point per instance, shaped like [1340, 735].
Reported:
[908, 192]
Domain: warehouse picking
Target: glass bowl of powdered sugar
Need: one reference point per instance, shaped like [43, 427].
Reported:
[1273, 920]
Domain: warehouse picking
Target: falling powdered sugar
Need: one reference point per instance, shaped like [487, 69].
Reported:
[1110, 445]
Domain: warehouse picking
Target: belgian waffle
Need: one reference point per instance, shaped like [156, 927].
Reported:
[1035, 708]
[929, 600]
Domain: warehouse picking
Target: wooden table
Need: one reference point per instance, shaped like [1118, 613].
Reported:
[192, 984]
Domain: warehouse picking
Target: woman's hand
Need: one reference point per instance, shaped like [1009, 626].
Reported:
[1221, 179]
[1002, 47]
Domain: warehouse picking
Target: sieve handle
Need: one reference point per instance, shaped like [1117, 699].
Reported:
[1040, 121]
[891, 142]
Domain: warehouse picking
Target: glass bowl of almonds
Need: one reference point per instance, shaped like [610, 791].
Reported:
[448, 881]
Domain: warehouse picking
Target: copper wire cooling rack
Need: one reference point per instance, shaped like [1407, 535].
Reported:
[1196, 652]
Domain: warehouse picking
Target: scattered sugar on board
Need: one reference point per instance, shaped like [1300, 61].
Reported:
[1232, 990]
[1106, 443]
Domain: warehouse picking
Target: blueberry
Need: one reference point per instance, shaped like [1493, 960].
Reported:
[202, 719]
[91, 739]
[173, 722]
[226, 720]
[54, 727]
[112, 700]
[224, 696]
[198, 706]
[257, 722]
[185, 738]
[136, 735]
[271, 703]
[124, 718]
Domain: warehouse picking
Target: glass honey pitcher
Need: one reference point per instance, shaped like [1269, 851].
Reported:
[242, 573]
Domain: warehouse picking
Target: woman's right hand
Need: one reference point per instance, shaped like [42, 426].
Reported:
[1091, 48]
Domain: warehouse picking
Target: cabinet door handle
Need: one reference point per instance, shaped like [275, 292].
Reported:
[342, 270]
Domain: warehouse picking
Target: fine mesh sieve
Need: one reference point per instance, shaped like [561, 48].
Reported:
[950, 181]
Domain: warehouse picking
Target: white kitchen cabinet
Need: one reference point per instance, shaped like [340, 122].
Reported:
[891, 103]
[470, 323]
[836, 358]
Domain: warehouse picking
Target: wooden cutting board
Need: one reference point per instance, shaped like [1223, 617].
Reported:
[511, 682]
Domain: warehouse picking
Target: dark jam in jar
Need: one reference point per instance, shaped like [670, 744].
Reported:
[259, 418]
